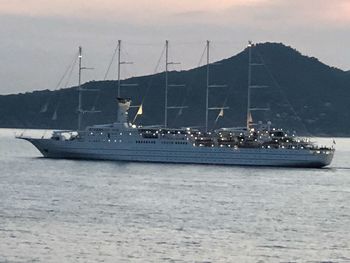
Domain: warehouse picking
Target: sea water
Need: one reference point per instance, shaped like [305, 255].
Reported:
[97, 211]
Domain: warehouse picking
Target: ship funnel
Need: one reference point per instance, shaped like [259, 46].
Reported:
[123, 107]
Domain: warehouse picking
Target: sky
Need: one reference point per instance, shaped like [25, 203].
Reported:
[39, 38]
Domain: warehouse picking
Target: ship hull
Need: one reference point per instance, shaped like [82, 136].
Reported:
[182, 154]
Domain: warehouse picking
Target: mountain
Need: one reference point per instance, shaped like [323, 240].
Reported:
[302, 95]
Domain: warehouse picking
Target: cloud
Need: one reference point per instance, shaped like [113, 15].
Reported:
[268, 12]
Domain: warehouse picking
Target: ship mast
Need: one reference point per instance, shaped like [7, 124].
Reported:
[207, 92]
[249, 83]
[80, 110]
[252, 87]
[208, 87]
[119, 63]
[167, 85]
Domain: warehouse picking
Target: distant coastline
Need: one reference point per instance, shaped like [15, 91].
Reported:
[304, 95]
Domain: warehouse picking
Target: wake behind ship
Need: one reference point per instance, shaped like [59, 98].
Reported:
[260, 145]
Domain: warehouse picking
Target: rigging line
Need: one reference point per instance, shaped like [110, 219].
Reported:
[111, 62]
[105, 76]
[282, 93]
[70, 72]
[184, 97]
[94, 104]
[159, 60]
[155, 72]
[45, 106]
[181, 109]
[213, 49]
[129, 60]
[202, 56]
[66, 71]
[187, 87]
[66, 84]
[149, 84]
[61, 80]
[126, 53]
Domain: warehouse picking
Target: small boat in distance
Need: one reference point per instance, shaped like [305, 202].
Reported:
[253, 145]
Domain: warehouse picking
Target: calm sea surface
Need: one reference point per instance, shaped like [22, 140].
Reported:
[95, 211]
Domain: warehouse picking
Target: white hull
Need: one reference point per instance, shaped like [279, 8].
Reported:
[181, 153]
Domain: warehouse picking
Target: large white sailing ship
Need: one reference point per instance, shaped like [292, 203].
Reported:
[253, 145]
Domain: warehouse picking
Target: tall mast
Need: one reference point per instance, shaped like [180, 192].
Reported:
[209, 86]
[166, 84]
[119, 63]
[207, 94]
[80, 110]
[249, 82]
[252, 87]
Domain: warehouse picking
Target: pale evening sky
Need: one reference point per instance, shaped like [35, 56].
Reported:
[39, 37]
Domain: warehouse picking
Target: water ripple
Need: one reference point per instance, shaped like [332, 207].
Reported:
[79, 211]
